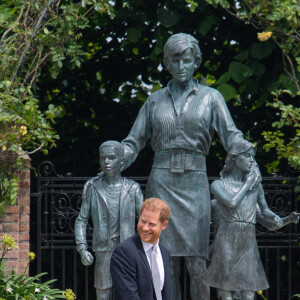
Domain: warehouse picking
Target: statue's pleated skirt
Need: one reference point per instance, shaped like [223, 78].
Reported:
[236, 263]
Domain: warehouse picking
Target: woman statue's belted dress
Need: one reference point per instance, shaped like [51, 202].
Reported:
[181, 141]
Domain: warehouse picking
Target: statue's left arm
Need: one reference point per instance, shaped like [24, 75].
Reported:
[227, 131]
[138, 136]
[271, 224]
[266, 212]
[223, 123]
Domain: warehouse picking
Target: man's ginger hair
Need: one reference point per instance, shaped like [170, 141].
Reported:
[156, 204]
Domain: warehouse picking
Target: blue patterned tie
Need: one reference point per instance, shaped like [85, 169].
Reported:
[155, 272]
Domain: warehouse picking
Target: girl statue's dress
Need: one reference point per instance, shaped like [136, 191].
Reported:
[236, 263]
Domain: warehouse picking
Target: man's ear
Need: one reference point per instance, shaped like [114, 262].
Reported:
[164, 225]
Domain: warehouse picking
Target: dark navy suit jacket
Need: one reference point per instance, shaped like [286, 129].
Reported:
[131, 273]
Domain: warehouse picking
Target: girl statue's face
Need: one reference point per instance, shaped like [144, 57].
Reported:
[244, 161]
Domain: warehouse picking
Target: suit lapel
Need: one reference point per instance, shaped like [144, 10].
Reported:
[165, 257]
[143, 255]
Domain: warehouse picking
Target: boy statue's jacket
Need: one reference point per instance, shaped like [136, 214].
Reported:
[94, 204]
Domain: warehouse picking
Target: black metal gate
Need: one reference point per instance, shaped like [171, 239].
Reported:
[57, 206]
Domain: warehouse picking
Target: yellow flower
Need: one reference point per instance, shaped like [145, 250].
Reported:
[9, 241]
[69, 294]
[259, 292]
[264, 36]
[31, 256]
[283, 258]
[3, 149]
[23, 130]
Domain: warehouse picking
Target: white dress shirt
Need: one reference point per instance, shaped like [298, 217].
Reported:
[148, 248]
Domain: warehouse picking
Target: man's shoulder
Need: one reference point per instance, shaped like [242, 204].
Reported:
[129, 245]
[133, 240]
[164, 249]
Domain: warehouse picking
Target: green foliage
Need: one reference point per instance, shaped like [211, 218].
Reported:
[23, 287]
[288, 148]
[8, 189]
[276, 23]
[290, 117]
[19, 286]
[33, 33]
[278, 20]
[260, 293]
[122, 65]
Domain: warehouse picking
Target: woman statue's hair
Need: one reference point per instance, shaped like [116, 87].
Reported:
[178, 43]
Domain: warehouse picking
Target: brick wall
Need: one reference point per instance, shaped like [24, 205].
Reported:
[16, 223]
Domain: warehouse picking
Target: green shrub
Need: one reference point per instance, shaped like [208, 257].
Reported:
[19, 286]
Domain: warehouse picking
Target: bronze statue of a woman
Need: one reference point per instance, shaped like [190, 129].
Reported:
[179, 120]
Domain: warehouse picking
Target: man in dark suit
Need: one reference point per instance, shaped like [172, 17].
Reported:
[140, 266]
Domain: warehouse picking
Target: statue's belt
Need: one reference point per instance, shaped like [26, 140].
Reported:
[179, 161]
[238, 221]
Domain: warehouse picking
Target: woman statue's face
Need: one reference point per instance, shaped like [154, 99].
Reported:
[182, 67]
[244, 161]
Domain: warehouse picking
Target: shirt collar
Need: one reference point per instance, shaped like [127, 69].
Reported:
[195, 87]
[147, 246]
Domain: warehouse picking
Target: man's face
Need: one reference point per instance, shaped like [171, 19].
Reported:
[182, 67]
[149, 226]
[244, 161]
[110, 161]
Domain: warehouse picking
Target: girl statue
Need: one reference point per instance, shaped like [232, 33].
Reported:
[236, 268]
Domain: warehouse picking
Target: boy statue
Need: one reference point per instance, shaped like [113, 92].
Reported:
[113, 202]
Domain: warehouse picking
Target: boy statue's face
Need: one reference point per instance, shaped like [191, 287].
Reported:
[110, 161]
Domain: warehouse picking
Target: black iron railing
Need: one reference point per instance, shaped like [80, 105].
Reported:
[58, 203]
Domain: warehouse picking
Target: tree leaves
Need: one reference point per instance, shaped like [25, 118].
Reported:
[243, 55]
[227, 90]
[223, 79]
[262, 50]
[133, 34]
[239, 71]
[168, 18]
